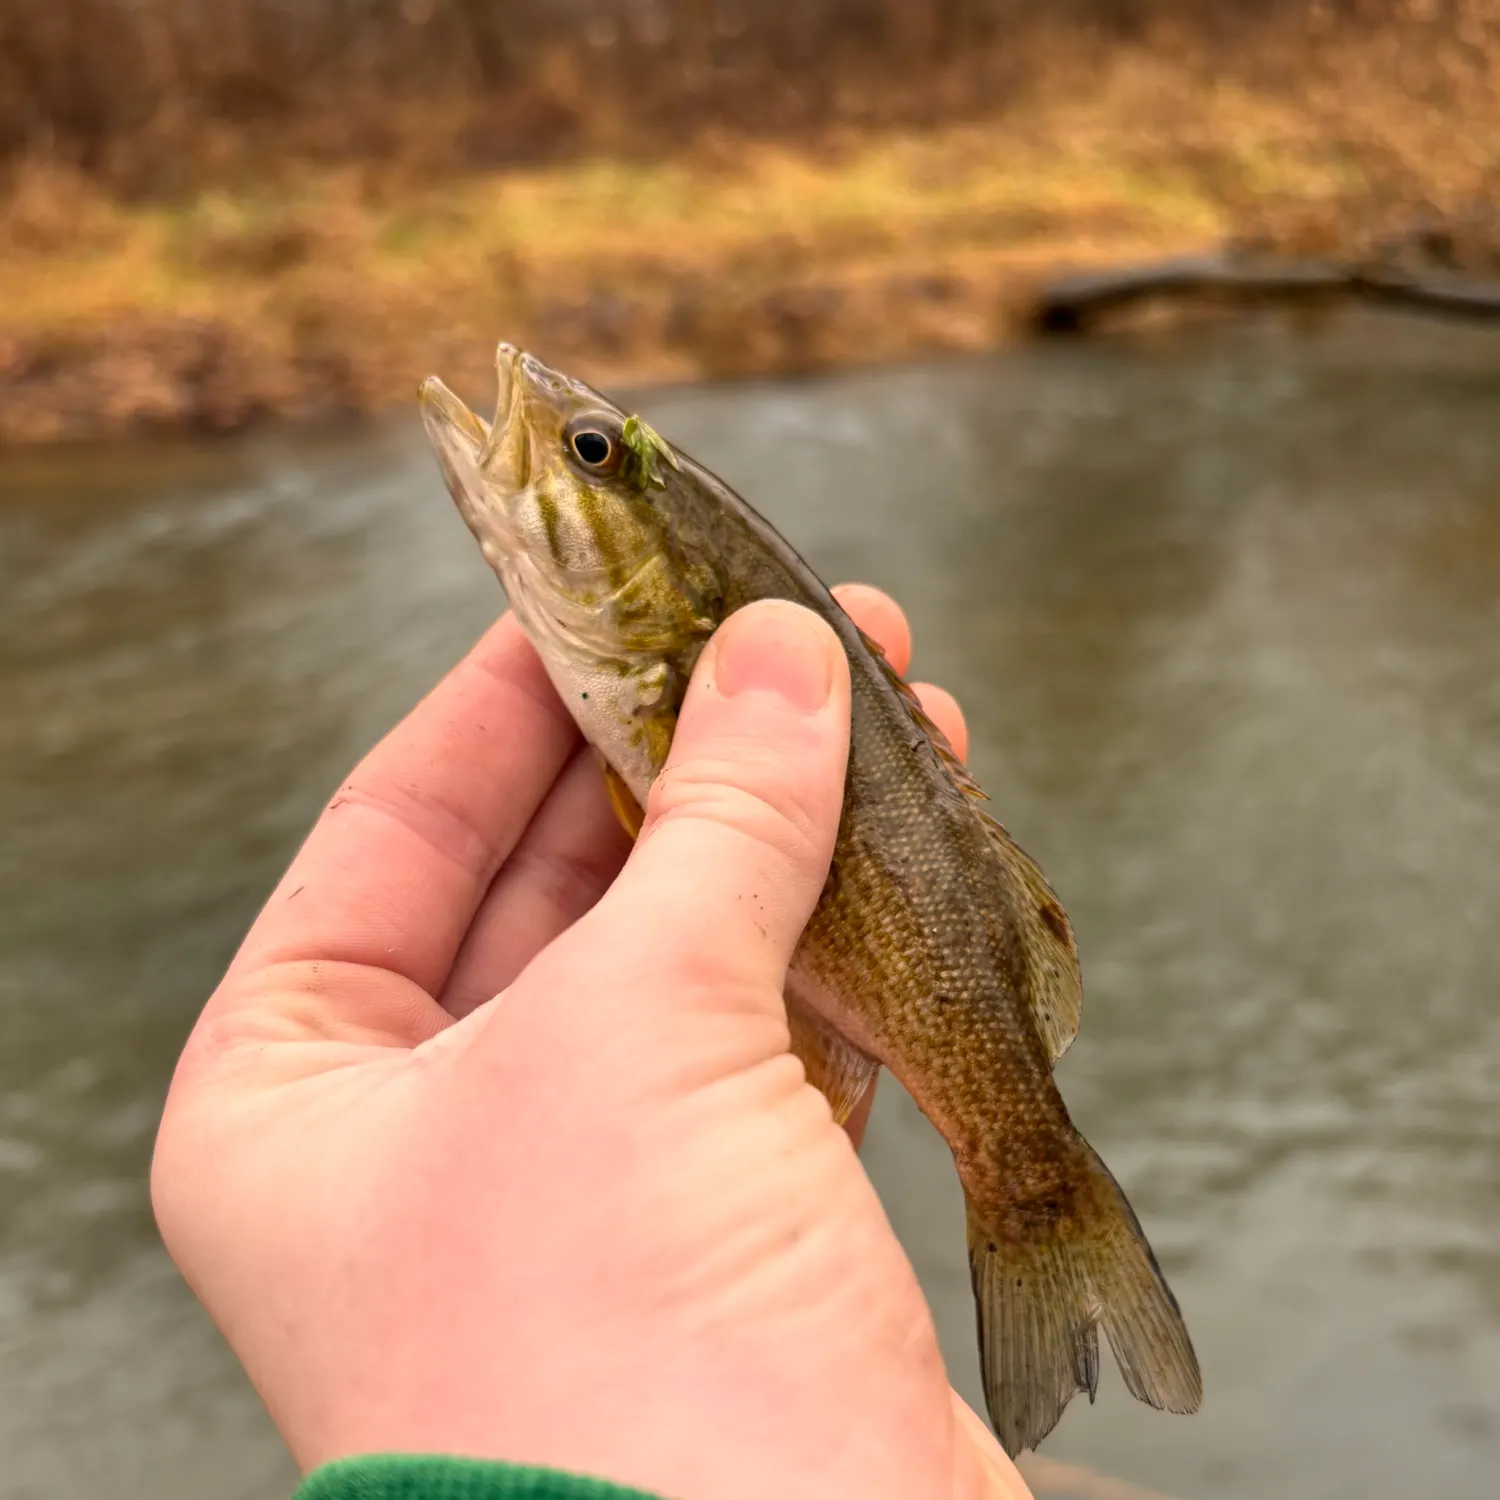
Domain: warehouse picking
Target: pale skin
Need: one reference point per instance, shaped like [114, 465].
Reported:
[489, 1142]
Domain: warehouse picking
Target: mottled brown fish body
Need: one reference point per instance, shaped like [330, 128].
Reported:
[938, 949]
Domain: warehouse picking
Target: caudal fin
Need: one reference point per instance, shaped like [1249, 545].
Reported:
[1042, 1297]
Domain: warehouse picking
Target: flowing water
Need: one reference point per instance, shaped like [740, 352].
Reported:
[1224, 610]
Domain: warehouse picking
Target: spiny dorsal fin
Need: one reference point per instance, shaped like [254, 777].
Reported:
[951, 763]
[1056, 985]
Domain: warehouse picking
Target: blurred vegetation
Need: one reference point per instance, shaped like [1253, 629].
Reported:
[153, 95]
[217, 210]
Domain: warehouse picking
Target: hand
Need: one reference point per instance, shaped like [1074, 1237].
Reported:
[487, 1146]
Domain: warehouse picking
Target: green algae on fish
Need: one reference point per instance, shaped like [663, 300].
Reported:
[937, 950]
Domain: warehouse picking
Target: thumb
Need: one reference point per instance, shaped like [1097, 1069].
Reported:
[740, 825]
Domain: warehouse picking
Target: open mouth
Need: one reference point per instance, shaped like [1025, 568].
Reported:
[478, 456]
[503, 430]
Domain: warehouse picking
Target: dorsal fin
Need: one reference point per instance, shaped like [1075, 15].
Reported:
[951, 763]
[1054, 981]
[1052, 973]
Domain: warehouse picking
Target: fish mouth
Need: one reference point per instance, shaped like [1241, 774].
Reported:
[481, 461]
[457, 434]
[504, 455]
[442, 410]
[489, 467]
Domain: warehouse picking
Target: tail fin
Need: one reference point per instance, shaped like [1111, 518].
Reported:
[1042, 1298]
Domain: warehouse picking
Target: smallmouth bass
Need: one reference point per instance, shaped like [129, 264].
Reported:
[937, 950]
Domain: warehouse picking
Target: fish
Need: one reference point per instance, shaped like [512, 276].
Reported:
[937, 949]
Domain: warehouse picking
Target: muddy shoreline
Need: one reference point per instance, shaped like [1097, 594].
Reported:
[158, 374]
[155, 376]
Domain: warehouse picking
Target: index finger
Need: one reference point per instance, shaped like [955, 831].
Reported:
[394, 869]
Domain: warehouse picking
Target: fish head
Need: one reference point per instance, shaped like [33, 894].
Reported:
[600, 534]
[577, 506]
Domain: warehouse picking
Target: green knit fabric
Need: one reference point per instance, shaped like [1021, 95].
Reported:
[406, 1476]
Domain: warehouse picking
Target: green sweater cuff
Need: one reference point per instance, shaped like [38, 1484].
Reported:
[405, 1476]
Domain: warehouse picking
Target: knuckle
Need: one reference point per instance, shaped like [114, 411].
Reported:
[753, 792]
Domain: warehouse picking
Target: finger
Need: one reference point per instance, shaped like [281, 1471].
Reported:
[564, 862]
[881, 618]
[942, 708]
[984, 1459]
[740, 825]
[393, 871]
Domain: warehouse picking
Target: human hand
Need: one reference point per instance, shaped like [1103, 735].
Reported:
[598, 1222]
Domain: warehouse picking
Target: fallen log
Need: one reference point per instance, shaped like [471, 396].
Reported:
[1439, 294]
[1074, 304]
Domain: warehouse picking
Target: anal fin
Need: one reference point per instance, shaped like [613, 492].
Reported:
[836, 1068]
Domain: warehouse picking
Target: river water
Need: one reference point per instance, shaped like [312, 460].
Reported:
[1224, 610]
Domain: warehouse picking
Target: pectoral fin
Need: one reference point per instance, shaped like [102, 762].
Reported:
[622, 799]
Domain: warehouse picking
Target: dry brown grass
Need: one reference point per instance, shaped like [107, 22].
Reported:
[162, 96]
[333, 279]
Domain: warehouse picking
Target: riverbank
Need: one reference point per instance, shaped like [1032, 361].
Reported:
[336, 289]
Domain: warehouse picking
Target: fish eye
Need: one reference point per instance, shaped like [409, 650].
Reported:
[593, 449]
